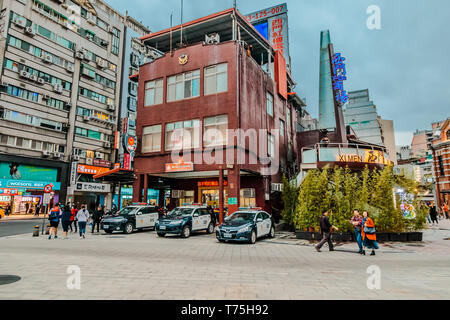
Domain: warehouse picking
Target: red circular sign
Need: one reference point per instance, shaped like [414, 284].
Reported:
[48, 188]
[131, 141]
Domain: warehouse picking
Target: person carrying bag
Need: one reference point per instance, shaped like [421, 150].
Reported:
[368, 234]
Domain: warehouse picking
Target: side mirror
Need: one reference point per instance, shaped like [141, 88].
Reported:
[196, 215]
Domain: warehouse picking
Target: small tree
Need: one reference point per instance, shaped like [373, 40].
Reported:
[289, 198]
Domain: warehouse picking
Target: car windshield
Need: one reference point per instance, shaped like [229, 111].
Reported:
[127, 211]
[242, 217]
[178, 212]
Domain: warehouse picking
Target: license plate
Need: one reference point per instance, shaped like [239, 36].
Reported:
[162, 227]
[105, 226]
[227, 235]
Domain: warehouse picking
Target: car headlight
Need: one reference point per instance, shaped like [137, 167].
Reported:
[245, 229]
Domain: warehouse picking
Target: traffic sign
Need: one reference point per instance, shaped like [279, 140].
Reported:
[48, 188]
[47, 198]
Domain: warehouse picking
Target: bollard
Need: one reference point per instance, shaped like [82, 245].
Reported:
[36, 231]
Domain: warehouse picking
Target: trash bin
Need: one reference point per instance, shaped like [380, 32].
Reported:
[36, 231]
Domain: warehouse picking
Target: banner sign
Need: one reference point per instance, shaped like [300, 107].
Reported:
[180, 167]
[9, 192]
[73, 173]
[38, 185]
[92, 170]
[17, 171]
[102, 163]
[339, 76]
[93, 187]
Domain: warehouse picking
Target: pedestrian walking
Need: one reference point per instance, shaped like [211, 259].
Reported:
[65, 220]
[445, 210]
[54, 217]
[73, 219]
[82, 217]
[368, 234]
[37, 209]
[356, 221]
[433, 213]
[97, 217]
[325, 228]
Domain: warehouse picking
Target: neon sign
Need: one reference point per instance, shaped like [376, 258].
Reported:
[339, 76]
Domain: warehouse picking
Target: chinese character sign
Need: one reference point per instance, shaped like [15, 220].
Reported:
[339, 76]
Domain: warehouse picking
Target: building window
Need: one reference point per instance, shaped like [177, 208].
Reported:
[270, 145]
[288, 117]
[22, 93]
[154, 92]
[183, 86]
[282, 128]
[269, 104]
[115, 41]
[215, 131]
[88, 133]
[183, 135]
[132, 104]
[151, 139]
[216, 79]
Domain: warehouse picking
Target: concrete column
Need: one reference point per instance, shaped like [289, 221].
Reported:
[137, 187]
[234, 189]
[221, 196]
[145, 189]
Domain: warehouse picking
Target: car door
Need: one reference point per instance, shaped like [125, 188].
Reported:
[153, 216]
[206, 218]
[146, 217]
[267, 222]
[260, 225]
[196, 220]
[140, 219]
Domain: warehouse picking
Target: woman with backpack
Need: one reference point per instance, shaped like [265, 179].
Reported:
[54, 217]
[65, 220]
[368, 234]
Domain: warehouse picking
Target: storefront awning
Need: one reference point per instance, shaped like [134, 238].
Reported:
[118, 175]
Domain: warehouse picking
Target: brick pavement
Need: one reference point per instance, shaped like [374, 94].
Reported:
[143, 266]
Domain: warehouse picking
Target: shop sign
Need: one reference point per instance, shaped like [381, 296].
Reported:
[180, 167]
[339, 76]
[232, 201]
[92, 170]
[370, 156]
[127, 161]
[93, 187]
[9, 192]
[47, 198]
[102, 163]
[129, 143]
[5, 198]
[39, 185]
[73, 173]
[211, 184]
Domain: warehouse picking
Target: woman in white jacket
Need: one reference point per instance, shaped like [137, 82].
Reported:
[82, 217]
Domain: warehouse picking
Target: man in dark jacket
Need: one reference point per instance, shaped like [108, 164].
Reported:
[97, 217]
[325, 229]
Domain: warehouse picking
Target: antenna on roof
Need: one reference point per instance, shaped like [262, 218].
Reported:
[171, 15]
[234, 4]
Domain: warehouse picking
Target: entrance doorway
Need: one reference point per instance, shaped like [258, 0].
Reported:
[210, 196]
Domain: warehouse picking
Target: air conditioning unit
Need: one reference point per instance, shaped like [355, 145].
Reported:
[29, 31]
[277, 187]
[75, 157]
[177, 194]
[46, 153]
[20, 22]
[86, 56]
[111, 107]
[98, 155]
[86, 118]
[33, 78]
[91, 19]
[45, 97]
[110, 29]
[57, 155]
[66, 25]
[70, 69]
[101, 63]
[4, 84]
[58, 88]
[248, 193]
[24, 74]
[87, 73]
[107, 145]
[79, 55]
[213, 38]
[47, 58]
[41, 81]
[68, 105]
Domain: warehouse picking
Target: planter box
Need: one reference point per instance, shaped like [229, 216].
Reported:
[382, 237]
[317, 236]
[304, 235]
[341, 237]
[415, 236]
[398, 237]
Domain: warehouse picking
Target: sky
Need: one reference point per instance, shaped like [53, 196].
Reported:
[404, 64]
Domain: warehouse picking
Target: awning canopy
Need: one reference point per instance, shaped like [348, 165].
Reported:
[118, 175]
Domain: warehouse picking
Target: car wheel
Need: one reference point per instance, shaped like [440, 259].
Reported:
[160, 234]
[210, 229]
[253, 237]
[128, 228]
[186, 233]
[272, 232]
[108, 231]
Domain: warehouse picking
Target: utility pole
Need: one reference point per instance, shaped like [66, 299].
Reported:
[234, 4]
[181, 37]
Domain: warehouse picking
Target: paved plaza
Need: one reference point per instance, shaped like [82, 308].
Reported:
[143, 266]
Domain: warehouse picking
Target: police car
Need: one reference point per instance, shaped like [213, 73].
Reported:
[246, 225]
[135, 217]
[184, 220]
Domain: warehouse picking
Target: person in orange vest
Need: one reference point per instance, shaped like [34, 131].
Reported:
[445, 210]
[368, 234]
[54, 217]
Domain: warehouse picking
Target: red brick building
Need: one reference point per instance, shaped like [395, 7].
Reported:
[225, 76]
[441, 164]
